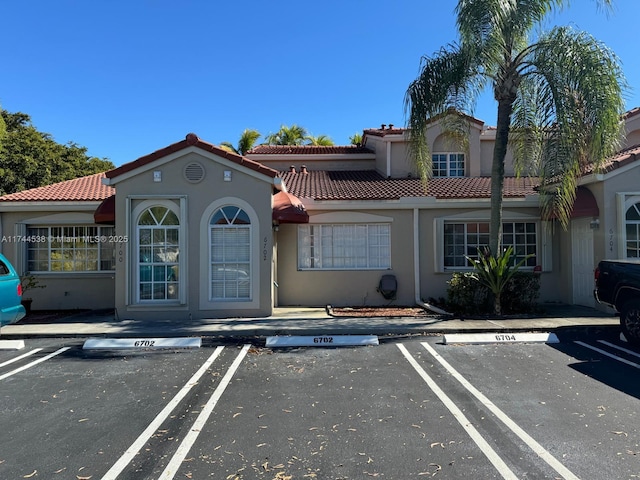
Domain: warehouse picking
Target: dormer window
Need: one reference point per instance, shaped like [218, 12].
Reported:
[448, 164]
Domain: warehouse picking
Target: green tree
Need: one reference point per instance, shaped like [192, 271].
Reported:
[559, 98]
[293, 135]
[356, 139]
[247, 141]
[321, 140]
[3, 128]
[29, 158]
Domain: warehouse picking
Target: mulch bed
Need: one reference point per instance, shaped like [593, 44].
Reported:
[379, 312]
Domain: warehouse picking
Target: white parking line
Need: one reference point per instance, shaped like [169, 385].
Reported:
[24, 355]
[524, 436]
[489, 452]
[618, 347]
[133, 450]
[34, 363]
[611, 355]
[190, 438]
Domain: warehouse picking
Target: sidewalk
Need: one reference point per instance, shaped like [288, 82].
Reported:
[307, 321]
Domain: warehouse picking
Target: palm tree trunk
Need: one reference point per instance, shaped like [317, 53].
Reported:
[505, 107]
[497, 304]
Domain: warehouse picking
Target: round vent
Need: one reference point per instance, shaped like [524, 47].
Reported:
[194, 172]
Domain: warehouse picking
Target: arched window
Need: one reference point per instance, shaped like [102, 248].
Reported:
[632, 225]
[158, 249]
[230, 254]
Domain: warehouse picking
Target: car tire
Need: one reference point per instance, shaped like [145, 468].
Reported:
[630, 321]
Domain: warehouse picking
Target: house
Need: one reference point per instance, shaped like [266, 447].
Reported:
[194, 231]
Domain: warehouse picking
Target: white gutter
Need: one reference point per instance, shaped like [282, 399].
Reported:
[416, 266]
[388, 159]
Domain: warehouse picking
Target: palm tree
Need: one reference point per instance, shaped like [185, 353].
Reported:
[293, 135]
[247, 141]
[356, 139]
[321, 140]
[559, 98]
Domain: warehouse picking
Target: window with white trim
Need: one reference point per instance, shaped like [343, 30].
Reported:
[70, 248]
[230, 254]
[632, 231]
[465, 239]
[447, 164]
[158, 235]
[344, 247]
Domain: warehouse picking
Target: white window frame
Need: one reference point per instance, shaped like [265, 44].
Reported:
[231, 276]
[159, 258]
[543, 244]
[625, 202]
[333, 246]
[447, 171]
[137, 205]
[204, 275]
[70, 240]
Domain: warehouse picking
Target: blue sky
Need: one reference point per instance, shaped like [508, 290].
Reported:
[125, 78]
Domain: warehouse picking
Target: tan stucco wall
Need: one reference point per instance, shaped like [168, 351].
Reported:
[487, 144]
[632, 131]
[255, 191]
[355, 288]
[612, 222]
[345, 287]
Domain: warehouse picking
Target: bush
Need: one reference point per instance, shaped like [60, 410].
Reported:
[521, 293]
[466, 295]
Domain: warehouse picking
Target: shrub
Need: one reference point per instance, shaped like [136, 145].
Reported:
[467, 296]
[521, 293]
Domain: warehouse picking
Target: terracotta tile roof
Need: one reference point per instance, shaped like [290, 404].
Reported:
[631, 113]
[385, 130]
[370, 185]
[192, 140]
[392, 130]
[83, 189]
[620, 159]
[308, 150]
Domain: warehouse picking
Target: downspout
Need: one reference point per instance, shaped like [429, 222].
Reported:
[388, 159]
[416, 266]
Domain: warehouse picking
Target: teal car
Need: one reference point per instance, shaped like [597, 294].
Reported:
[11, 309]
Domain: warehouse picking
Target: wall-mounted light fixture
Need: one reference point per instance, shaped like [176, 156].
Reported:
[157, 175]
[227, 175]
[594, 224]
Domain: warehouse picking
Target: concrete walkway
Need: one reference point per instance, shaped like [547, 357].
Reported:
[307, 321]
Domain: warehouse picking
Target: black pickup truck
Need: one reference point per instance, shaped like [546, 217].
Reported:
[618, 286]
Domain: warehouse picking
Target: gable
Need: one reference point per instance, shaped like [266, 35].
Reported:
[190, 144]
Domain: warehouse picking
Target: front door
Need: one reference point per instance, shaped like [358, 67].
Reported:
[582, 261]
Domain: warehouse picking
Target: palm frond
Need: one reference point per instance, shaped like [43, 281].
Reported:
[228, 147]
[321, 140]
[248, 140]
[449, 81]
[581, 90]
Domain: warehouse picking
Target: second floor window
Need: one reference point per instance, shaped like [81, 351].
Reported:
[448, 164]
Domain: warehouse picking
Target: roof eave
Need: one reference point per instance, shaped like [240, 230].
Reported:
[54, 205]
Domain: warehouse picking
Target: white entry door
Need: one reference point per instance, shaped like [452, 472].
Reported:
[582, 261]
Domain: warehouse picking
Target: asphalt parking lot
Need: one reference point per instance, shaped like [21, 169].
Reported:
[408, 408]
